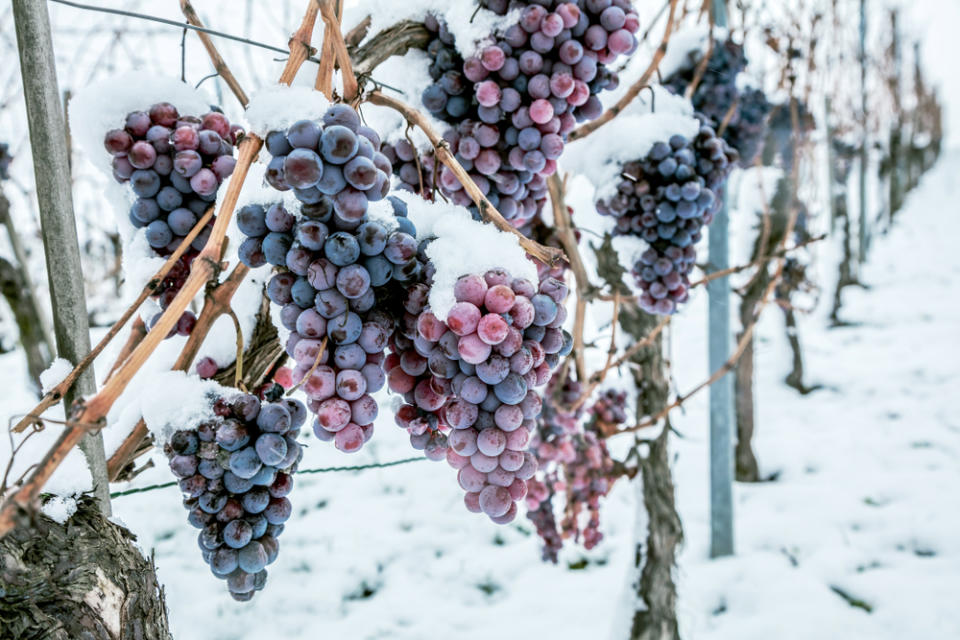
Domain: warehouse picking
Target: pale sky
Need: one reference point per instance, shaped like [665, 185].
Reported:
[937, 25]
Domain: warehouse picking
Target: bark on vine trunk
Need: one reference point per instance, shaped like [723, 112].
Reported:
[655, 616]
[795, 377]
[747, 469]
[27, 317]
[81, 579]
[845, 276]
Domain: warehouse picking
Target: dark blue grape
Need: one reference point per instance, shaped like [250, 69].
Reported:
[245, 463]
[251, 220]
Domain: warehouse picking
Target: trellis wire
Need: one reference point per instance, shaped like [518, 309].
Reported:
[359, 467]
[178, 25]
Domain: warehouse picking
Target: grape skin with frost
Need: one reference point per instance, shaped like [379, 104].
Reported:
[529, 85]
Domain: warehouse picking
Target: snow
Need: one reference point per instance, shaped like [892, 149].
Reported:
[56, 373]
[279, 106]
[601, 155]
[462, 246]
[863, 497]
[194, 403]
[104, 105]
[866, 473]
[59, 508]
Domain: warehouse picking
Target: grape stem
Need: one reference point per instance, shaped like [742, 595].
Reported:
[332, 34]
[205, 268]
[636, 87]
[564, 225]
[238, 375]
[547, 255]
[56, 394]
[218, 62]
[316, 363]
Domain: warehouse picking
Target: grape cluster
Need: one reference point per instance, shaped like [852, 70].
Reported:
[718, 93]
[336, 267]
[553, 445]
[336, 160]
[511, 105]
[469, 382]
[591, 474]
[574, 461]
[235, 472]
[5, 159]
[174, 164]
[609, 411]
[666, 198]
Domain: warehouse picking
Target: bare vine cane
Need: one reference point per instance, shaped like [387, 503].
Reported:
[55, 394]
[218, 62]
[568, 238]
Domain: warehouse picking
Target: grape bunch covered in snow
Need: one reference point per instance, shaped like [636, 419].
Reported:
[236, 472]
[511, 105]
[743, 110]
[574, 462]
[334, 264]
[665, 199]
[174, 164]
[470, 381]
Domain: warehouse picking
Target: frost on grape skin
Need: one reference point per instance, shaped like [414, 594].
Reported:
[510, 104]
[470, 382]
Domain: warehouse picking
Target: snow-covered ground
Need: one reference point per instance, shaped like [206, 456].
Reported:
[864, 501]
